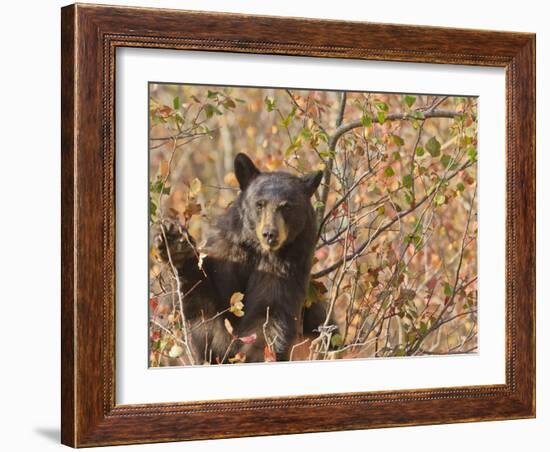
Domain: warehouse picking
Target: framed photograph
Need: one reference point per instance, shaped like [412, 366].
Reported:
[280, 225]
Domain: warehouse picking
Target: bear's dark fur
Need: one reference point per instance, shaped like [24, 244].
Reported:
[262, 247]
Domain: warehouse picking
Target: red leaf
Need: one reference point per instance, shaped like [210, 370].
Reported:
[164, 111]
[432, 283]
[153, 302]
[269, 355]
[248, 339]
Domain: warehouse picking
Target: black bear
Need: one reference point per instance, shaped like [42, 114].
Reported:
[262, 247]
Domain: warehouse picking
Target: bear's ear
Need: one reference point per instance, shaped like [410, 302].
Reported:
[311, 181]
[245, 170]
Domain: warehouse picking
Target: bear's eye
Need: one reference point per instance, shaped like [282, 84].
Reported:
[284, 206]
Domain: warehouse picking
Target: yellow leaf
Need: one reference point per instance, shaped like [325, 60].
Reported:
[196, 187]
[236, 297]
[202, 256]
[273, 163]
[164, 168]
[231, 180]
[240, 357]
[154, 254]
[237, 309]
[175, 351]
[228, 326]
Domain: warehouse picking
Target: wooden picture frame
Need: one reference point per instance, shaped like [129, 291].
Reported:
[90, 36]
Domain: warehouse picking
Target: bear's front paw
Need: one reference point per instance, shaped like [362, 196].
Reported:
[173, 242]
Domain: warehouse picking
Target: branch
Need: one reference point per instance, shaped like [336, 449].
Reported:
[440, 321]
[459, 352]
[304, 112]
[180, 295]
[400, 215]
[343, 198]
[344, 128]
[330, 162]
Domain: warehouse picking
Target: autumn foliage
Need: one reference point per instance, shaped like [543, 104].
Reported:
[396, 257]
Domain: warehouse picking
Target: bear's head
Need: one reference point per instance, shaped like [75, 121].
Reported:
[275, 206]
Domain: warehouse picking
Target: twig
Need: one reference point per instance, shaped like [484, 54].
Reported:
[330, 162]
[180, 295]
[400, 215]
[439, 321]
[344, 128]
[205, 321]
[295, 346]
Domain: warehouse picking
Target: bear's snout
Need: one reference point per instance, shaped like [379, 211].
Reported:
[270, 235]
[271, 228]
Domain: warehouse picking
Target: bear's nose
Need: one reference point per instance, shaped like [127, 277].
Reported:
[270, 235]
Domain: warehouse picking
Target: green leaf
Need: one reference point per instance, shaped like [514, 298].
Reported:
[296, 144]
[407, 181]
[336, 340]
[324, 136]
[288, 119]
[382, 106]
[423, 328]
[422, 170]
[176, 103]
[381, 117]
[396, 155]
[439, 199]
[210, 110]
[410, 100]
[414, 239]
[269, 103]
[327, 154]
[399, 351]
[366, 120]
[212, 94]
[152, 209]
[318, 205]
[316, 292]
[448, 290]
[472, 153]
[434, 147]
[460, 186]
[446, 160]
[306, 133]
[157, 186]
[381, 210]
[204, 128]
[460, 118]
[398, 140]
[389, 172]
[411, 337]
[419, 151]
[229, 103]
